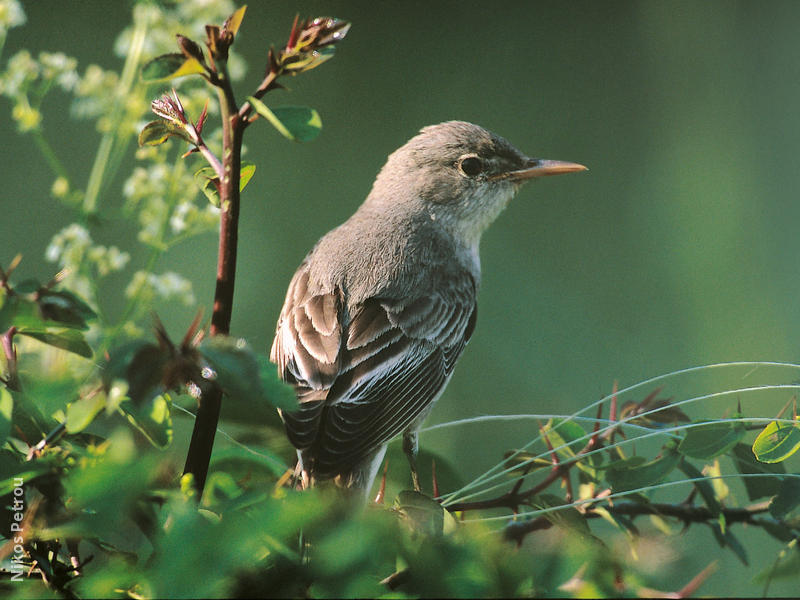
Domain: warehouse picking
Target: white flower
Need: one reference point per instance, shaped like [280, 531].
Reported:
[11, 15]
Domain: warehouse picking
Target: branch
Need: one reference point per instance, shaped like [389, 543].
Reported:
[7, 342]
[688, 513]
[269, 82]
[205, 425]
[513, 498]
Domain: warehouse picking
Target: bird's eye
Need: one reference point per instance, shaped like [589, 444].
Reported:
[470, 166]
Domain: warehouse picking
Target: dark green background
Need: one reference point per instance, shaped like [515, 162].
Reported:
[678, 247]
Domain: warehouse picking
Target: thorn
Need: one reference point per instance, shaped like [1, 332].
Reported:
[553, 456]
[433, 478]
[595, 439]
[14, 264]
[199, 336]
[597, 422]
[569, 496]
[201, 120]
[284, 479]
[190, 333]
[794, 409]
[698, 580]
[652, 395]
[74, 557]
[396, 579]
[161, 334]
[57, 278]
[382, 491]
[619, 580]
[612, 416]
[605, 494]
[293, 34]
[786, 406]
[738, 405]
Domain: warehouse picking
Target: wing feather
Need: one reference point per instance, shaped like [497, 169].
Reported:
[366, 372]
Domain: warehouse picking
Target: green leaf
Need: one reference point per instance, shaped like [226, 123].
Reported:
[206, 179]
[13, 467]
[785, 566]
[141, 366]
[568, 434]
[66, 308]
[234, 367]
[83, 411]
[28, 286]
[70, 340]
[169, 66]
[22, 312]
[304, 123]
[50, 391]
[157, 132]
[281, 395]
[296, 123]
[233, 22]
[246, 174]
[237, 459]
[787, 499]
[568, 438]
[777, 442]
[243, 378]
[566, 515]
[424, 514]
[151, 418]
[746, 464]
[6, 410]
[726, 538]
[625, 477]
[703, 486]
[7, 309]
[28, 418]
[712, 439]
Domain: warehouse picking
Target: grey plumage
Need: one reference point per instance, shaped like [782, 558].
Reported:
[381, 308]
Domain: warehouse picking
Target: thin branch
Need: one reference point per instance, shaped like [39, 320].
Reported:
[513, 498]
[210, 158]
[7, 342]
[36, 451]
[205, 425]
[687, 513]
[267, 84]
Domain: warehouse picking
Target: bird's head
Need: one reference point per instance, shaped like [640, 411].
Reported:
[459, 174]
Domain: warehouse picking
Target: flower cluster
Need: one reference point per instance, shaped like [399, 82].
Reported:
[73, 250]
[147, 287]
[159, 195]
[11, 15]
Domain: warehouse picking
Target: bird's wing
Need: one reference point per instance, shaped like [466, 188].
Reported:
[365, 373]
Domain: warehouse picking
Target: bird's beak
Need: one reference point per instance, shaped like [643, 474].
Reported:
[539, 167]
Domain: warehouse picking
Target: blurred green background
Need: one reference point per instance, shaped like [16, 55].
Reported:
[677, 248]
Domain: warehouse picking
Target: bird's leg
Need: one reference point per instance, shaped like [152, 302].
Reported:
[411, 448]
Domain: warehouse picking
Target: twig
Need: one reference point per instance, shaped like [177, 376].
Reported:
[396, 579]
[7, 341]
[517, 530]
[513, 498]
[205, 425]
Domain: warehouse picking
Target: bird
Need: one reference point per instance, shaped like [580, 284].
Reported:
[381, 308]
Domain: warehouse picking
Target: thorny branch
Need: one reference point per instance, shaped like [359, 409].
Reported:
[687, 513]
[515, 497]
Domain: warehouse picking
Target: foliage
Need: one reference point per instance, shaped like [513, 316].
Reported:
[90, 470]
